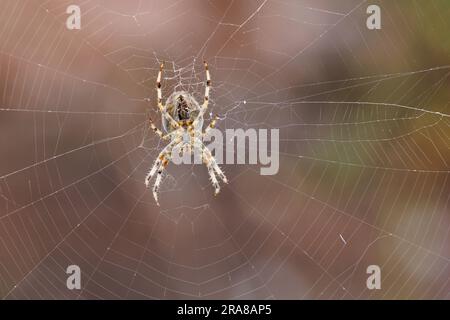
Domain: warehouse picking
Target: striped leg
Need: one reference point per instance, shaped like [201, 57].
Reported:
[207, 87]
[161, 168]
[213, 178]
[156, 130]
[161, 157]
[204, 106]
[201, 148]
[211, 125]
[159, 95]
[210, 158]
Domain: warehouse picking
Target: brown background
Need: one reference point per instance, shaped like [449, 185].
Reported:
[364, 164]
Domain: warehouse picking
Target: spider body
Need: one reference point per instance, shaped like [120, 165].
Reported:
[182, 121]
[184, 109]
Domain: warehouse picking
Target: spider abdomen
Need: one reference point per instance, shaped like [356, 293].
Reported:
[183, 108]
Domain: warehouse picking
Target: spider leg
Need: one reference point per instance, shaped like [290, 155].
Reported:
[212, 176]
[161, 157]
[178, 132]
[207, 87]
[209, 157]
[210, 168]
[161, 168]
[211, 125]
[156, 130]
[159, 95]
[155, 166]
[204, 106]
[212, 165]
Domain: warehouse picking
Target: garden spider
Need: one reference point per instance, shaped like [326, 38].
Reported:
[182, 120]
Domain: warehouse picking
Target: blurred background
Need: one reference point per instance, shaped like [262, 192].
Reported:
[364, 150]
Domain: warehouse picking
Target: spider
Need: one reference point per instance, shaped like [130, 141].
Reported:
[182, 121]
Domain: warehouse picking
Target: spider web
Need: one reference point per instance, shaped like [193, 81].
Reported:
[364, 150]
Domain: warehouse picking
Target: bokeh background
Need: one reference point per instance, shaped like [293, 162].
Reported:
[364, 150]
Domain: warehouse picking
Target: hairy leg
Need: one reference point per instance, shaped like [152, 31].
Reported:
[162, 155]
[159, 97]
[207, 153]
